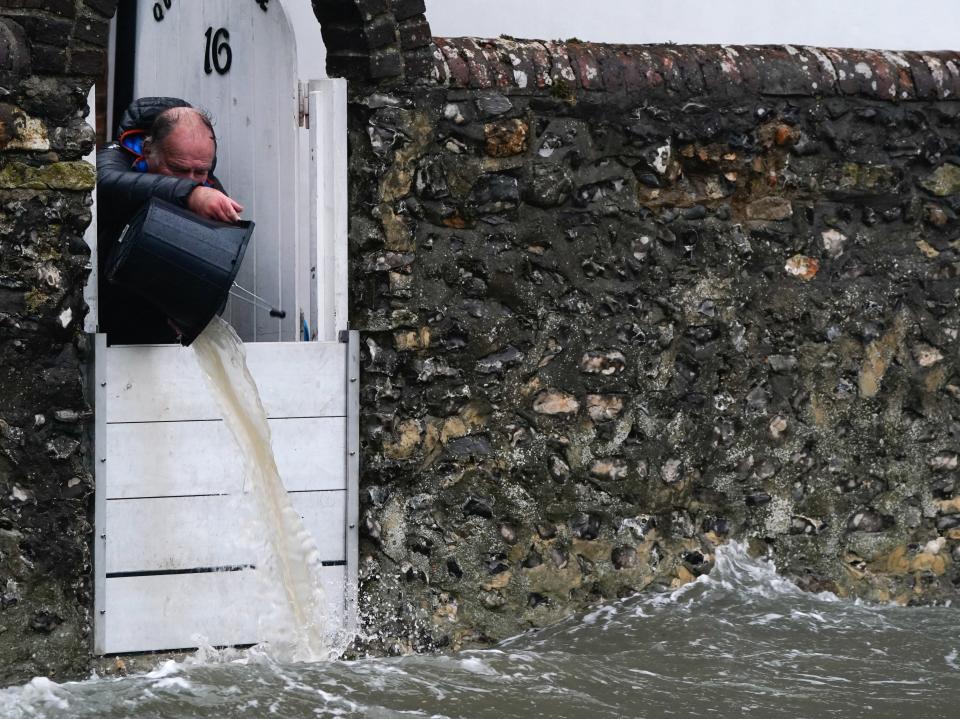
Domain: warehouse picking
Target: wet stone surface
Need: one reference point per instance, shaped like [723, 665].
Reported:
[605, 333]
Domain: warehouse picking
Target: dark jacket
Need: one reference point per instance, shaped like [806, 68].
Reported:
[126, 317]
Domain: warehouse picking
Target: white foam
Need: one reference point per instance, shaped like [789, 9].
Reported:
[951, 660]
[168, 668]
[33, 699]
[475, 665]
[173, 682]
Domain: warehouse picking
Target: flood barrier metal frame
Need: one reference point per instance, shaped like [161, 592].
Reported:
[350, 343]
[351, 604]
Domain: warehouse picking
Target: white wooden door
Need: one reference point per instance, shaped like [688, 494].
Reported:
[237, 59]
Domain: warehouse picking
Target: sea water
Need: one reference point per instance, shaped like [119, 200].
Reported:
[741, 642]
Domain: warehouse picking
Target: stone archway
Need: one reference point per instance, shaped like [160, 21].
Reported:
[51, 53]
[376, 40]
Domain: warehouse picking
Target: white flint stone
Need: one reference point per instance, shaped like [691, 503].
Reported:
[927, 356]
[778, 425]
[662, 160]
[833, 242]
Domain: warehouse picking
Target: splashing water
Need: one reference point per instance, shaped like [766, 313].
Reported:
[741, 642]
[288, 556]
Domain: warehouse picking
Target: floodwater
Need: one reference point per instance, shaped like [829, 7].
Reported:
[741, 642]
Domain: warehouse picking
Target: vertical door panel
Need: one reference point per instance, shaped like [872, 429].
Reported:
[251, 92]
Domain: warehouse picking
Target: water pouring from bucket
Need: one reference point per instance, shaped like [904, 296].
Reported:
[288, 560]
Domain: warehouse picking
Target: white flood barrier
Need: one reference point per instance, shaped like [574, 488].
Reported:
[199, 543]
[177, 534]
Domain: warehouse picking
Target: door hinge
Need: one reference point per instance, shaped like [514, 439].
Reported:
[303, 105]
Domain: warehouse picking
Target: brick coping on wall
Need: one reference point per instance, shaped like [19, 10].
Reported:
[730, 70]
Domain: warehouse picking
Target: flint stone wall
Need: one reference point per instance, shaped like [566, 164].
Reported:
[623, 304]
[50, 53]
[620, 304]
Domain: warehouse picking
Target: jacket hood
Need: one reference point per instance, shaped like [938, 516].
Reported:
[141, 113]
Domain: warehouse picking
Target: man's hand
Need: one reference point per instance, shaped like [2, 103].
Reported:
[213, 204]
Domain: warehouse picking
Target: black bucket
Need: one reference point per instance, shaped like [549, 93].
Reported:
[180, 262]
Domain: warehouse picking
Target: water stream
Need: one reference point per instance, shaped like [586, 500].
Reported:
[287, 559]
[740, 642]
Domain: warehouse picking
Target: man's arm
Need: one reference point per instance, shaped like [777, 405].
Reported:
[124, 190]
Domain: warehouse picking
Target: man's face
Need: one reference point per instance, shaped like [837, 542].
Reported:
[188, 152]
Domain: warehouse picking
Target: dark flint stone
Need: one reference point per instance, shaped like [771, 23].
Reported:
[477, 507]
[944, 487]
[649, 179]
[696, 563]
[948, 522]
[380, 360]
[498, 564]
[496, 189]
[421, 545]
[549, 185]
[493, 104]
[454, 568]
[758, 499]
[869, 521]
[497, 362]
[377, 495]
[585, 525]
[44, 622]
[534, 600]
[14, 51]
[467, 446]
[431, 179]
[718, 526]
[533, 559]
[411, 573]
[546, 531]
[624, 558]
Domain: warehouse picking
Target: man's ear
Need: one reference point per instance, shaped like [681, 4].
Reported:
[149, 153]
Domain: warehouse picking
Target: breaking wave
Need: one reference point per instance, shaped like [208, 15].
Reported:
[742, 641]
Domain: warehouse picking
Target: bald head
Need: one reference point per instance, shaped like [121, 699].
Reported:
[181, 143]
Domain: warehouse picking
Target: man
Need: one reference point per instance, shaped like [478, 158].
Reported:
[167, 149]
